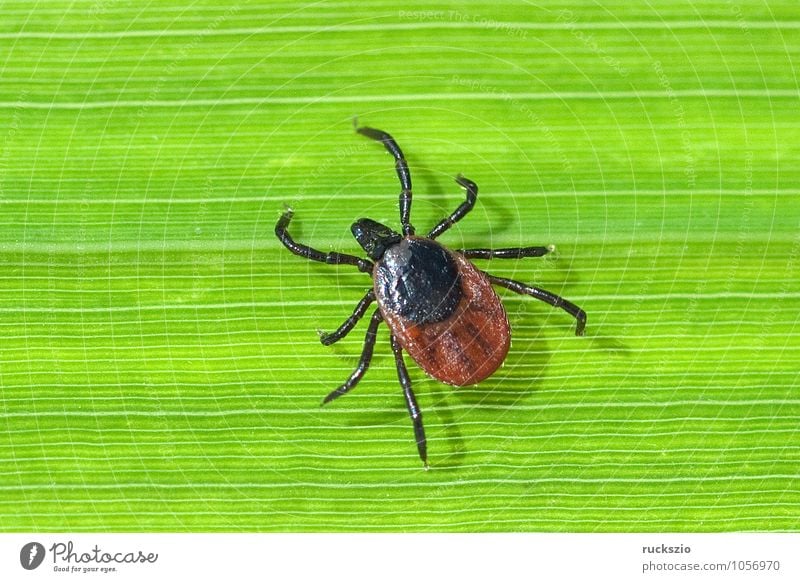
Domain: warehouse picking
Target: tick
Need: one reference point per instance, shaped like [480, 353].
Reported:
[439, 307]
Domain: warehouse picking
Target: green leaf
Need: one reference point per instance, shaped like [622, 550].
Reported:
[160, 367]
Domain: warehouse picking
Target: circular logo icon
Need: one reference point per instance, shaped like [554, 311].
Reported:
[31, 555]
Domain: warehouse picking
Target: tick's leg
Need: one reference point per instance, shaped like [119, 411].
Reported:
[545, 296]
[462, 210]
[411, 402]
[512, 253]
[329, 338]
[363, 363]
[402, 173]
[331, 258]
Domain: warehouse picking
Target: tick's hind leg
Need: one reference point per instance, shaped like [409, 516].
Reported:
[330, 338]
[363, 363]
[411, 402]
[331, 258]
[403, 174]
[462, 210]
[546, 296]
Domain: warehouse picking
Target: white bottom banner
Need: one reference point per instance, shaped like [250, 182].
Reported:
[401, 557]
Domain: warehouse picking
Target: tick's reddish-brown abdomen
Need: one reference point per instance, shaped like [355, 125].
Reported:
[467, 346]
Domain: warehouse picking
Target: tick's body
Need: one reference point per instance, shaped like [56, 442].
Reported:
[442, 310]
[439, 307]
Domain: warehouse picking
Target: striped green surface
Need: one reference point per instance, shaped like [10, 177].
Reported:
[159, 364]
